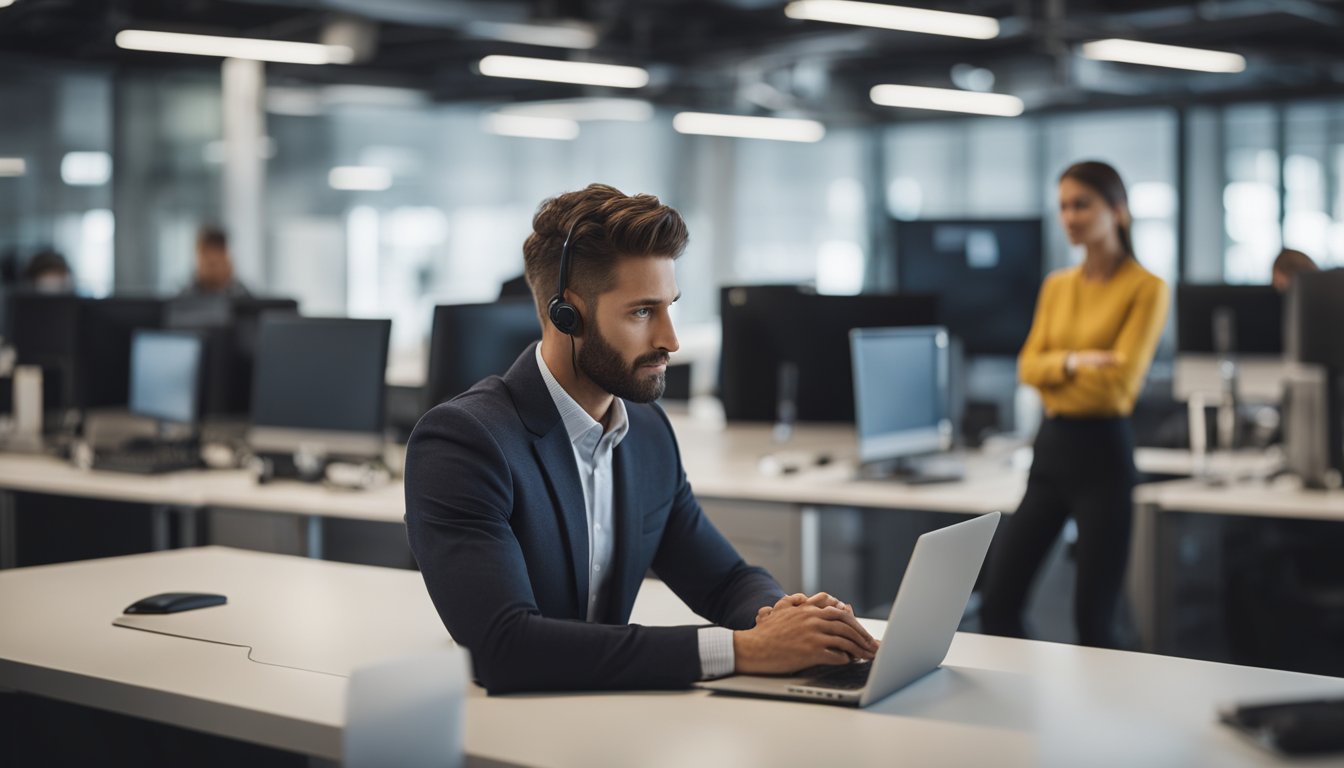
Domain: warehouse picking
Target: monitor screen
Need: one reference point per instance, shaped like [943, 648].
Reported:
[985, 273]
[472, 341]
[230, 328]
[165, 378]
[783, 339]
[45, 332]
[901, 380]
[1256, 310]
[323, 374]
[106, 327]
[1315, 327]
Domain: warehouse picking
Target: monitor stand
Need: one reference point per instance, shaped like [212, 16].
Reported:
[915, 471]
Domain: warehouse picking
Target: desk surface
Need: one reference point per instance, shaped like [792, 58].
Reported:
[1000, 701]
[722, 463]
[1283, 498]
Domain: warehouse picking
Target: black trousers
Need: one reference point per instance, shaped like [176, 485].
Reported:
[1084, 469]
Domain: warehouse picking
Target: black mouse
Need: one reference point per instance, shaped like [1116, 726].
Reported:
[173, 602]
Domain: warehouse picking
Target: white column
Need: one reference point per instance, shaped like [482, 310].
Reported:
[244, 85]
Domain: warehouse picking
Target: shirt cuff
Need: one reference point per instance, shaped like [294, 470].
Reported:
[716, 652]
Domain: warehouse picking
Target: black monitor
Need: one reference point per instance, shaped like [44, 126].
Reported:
[469, 342]
[784, 345]
[985, 273]
[902, 386]
[106, 327]
[229, 326]
[319, 384]
[1255, 313]
[45, 332]
[1314, 334]
[166, 374]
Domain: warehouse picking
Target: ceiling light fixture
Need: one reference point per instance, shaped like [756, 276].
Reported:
[531, 126]
[279, 51]
[359, 178]
[1156, 55]
[946, 100]
[743, 127]
[12, 166]
[895, 17]
[582, 110]
[552, 71]
[558, 35]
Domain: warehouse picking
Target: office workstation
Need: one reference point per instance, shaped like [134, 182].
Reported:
[426, 392]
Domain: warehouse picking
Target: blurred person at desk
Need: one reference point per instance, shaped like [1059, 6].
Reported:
[1288, 265]
[48, 272]
[536, 502]
[1096, 328]
[214, 267]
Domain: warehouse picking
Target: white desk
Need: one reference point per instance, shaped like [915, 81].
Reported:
[775, 521]
[998, 701]
[1283, 499]
[184, 493]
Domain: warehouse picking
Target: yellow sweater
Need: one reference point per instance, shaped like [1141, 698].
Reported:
[1124, 314]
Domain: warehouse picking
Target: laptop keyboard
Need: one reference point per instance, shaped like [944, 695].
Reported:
[846, 677]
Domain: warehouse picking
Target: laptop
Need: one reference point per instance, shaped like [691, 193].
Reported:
[928, 608]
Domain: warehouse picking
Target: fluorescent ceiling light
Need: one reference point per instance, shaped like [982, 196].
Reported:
[558, 35]
[742, 127]
[549, 70]
[895, 17]
[86, 169]
[946, 100]
[621, 110]
[234, 47]
[531, 127]
[12, 166]
[360, 178]
[1155, 55]
[6, 3]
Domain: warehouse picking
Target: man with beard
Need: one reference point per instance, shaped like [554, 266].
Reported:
[537, 501]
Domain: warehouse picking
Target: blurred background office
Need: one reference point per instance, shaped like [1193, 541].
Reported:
[380, 162]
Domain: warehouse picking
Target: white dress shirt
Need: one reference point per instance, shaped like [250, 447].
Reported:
[593, 448]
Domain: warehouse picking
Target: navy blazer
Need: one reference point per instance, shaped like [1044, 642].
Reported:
[496, 519]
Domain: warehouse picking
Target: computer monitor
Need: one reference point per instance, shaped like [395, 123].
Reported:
[1255, 319]
[318, 385]
[986, 274]
[1314, 335]
[106, 327]
[469, 342]
[785, 350]
[165, 375]
[45, 332]
[901, 392]
[229, 326]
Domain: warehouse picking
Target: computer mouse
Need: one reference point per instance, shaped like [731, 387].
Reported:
[174, 602]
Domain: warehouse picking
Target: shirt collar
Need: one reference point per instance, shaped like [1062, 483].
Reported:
[584, 431]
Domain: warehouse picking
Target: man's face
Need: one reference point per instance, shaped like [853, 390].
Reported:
[214, 270]
[628, 334]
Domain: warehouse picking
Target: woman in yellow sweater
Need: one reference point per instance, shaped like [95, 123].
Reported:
[1090, 345]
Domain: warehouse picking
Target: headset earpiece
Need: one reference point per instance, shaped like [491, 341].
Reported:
[565, 316]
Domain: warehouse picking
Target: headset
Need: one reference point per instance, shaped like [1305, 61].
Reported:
[565, 316]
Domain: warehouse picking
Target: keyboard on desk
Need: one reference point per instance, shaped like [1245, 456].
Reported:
[846, 677]
[149, 458]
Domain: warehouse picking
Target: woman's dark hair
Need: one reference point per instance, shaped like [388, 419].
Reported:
[1106, 181]
[46, 262]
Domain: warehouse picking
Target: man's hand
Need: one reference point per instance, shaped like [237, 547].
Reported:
[801, 631]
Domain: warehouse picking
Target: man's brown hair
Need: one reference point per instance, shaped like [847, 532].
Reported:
[210, 236]
[608, 225]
